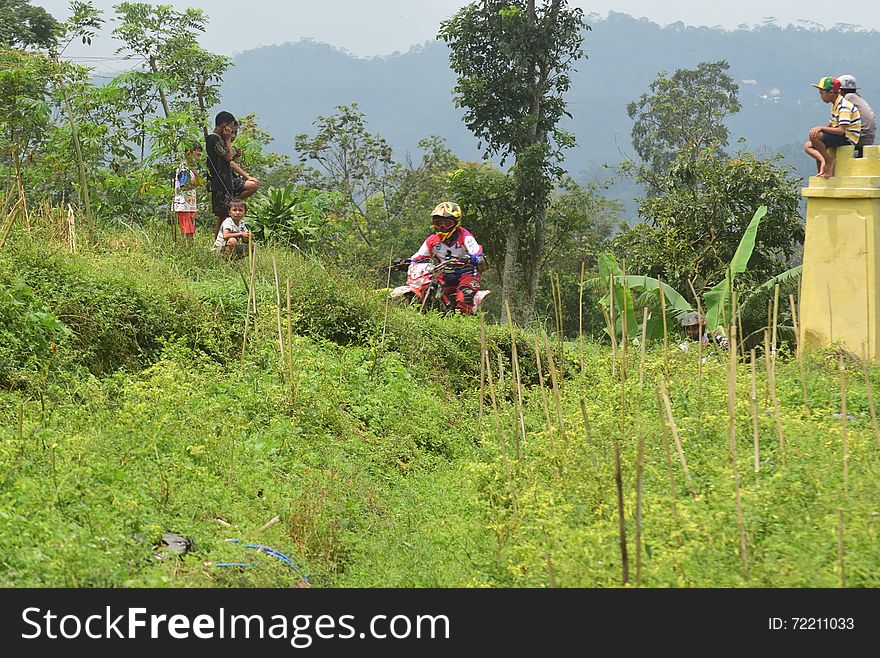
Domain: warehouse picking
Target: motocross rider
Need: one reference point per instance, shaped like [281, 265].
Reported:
[451, 240]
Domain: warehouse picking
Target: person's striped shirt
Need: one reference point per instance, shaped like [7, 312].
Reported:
[846, 115]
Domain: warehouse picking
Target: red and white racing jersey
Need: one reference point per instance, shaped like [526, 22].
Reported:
[461, 244]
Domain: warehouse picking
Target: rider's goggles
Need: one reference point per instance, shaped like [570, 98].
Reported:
[443, 224]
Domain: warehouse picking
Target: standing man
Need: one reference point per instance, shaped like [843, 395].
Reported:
[221, 166]
[844, 128]
[848, 88]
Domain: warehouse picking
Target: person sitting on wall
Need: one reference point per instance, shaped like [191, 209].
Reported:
[844, 128]
[848, 87]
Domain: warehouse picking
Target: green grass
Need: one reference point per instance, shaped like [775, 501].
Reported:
[137, 416]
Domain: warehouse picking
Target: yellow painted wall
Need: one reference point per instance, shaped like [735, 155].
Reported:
[839, 294]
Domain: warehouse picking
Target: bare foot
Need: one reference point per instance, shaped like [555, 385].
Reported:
[828, 169]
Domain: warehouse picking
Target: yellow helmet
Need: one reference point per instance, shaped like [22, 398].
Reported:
[446, 218]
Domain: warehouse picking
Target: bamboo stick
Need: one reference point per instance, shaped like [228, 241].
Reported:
[10, 221]
[664, 392]
[559, 331]
[771, 386]
[870, 393]
[753, 399]
[775, 316]
[589, 433]
[618, 481]
[666, 451]
[388, 296]
[841, 368]
[665, 330]
[581, 319]
[731, 427]
[544, 395]
[699, 347]
[291, 380]
[612, 335]
[613, 326]
[519, 418]
[482, 366]
[278, 308]
[502, 445]
[556, 400]
[799, 354]
[640, 464]
[642, 346]
[247, 314]
[840, 547]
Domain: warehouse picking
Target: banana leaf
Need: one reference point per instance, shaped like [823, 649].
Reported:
[718, 299]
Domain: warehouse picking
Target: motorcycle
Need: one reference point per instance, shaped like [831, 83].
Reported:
[424, 284]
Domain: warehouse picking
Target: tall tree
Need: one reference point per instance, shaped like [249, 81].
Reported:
[357, 163]
[152, 33]
[513, 59]
[684, 112]
[25, 26]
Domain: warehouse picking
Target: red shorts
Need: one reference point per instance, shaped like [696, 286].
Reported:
[187, 222]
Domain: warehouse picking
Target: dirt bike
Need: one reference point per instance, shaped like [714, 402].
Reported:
[424, 284]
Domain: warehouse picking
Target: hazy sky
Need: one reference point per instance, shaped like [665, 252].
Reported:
[381, 27]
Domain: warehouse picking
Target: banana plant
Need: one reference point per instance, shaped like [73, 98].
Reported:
[718, 312]
[648, 290]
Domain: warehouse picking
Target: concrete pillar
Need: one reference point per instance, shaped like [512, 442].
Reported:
[839, 293]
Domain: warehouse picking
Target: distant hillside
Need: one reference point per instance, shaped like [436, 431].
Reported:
[408, 96]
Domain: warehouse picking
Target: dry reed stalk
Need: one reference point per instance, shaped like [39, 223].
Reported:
[624, 335]
[664, 392]
[840, 547]
[613, 336]
[771, 387]
[247, 314]
[589, 433]
[753, 399]
[278, 308]
[544, 396]
[640, 467]
[775, 316]
[556, 400]
[731, 428]
[71, 229]
[482, 366]
[502, 445]
[699, 347]
[558, 304]
[666, 451]
[618, 481]
[841, 369]
[551, 573]
[270, 523]
[519, 418]
[387, 296]
[500, 371]
[642, 346]
[581, 319]
[870, 392]
[799, 354]
[9, 222]
[291, 381]
[665, 330]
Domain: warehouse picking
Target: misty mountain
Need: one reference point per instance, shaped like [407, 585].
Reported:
[408, 96]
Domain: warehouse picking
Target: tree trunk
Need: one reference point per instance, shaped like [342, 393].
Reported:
[509, 274]
[155, 69]
[536, 256]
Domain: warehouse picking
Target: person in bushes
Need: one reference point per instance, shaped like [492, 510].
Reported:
[233, 238]
[221, 166]
[185, 182]
[451, 240]
[694, 326]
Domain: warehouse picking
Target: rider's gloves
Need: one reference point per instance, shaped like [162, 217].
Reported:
[476, 259]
